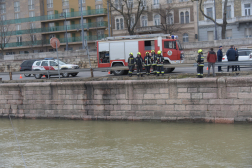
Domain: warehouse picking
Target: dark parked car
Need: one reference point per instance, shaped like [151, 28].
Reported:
[27, 66]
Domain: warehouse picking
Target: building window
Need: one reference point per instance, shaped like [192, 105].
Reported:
[210, 35]
[69, 35]
[3, 8]
[156, 20]
[31, 14]
[84, 21]
[144, 21]
[49, 3]
[132, 21]
[97, 0]
[16, 6]
[143, 3]
[16, 15]
[209, 13]
[156, 2]
[65, 2]
[248, 32]
[49, 12]
[182, 21]
[32, 25]
[31, 5]
[119, 24]
[247, 9]
[185, 38]
[2, 17]
[169, 1]
[99, 21]
[33, 38]
[51, 24]
[65, 10]
[118, 4]
[18, 27]
[83, 1]
[229, 34]
[169, 19]
[187, 17]
[19, 39]
[98, 8]
[130, 4]
[67, 23]
[83, 8]
[100, 33]
[51, 36]
[228, 12]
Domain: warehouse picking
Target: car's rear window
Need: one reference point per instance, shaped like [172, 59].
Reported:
[24, 63]
[244, 53]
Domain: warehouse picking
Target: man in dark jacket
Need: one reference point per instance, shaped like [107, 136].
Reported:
[147, 63]
[139, 63]
[131, 63]
[211, 59]
[200, 62]
[160, 63]
[231, 56]
[219, 56]
[154, 61]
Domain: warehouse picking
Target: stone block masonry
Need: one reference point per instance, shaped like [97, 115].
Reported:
[221, 100]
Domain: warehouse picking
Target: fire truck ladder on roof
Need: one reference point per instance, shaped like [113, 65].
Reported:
[137, 36]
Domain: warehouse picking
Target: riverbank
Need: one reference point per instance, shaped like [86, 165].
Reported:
[214, 100]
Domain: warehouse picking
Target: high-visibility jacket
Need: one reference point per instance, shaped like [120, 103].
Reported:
[160, 60]
[154, 59]
[147, 60]
[131, 61]
[200, 60]
[139, 61]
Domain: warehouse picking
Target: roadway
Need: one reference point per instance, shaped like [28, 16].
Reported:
[86, 74]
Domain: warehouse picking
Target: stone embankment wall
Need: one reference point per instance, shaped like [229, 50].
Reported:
[222, 100]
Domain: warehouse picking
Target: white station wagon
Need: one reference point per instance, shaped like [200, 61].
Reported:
[52, 64]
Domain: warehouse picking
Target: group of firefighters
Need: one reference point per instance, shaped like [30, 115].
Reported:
[154, 60]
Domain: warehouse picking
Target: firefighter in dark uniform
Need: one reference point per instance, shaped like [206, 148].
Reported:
[154, 61]
[139, 64]
[131, 63]
[200, 62]
[160, 64]
[147, 63]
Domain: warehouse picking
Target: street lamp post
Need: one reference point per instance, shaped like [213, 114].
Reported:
[215, 26]
[82, 29]
[66, 29]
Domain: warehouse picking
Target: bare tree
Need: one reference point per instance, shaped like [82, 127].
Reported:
[224, 23]
[5, 36]
[31, 36]
[167, 23]
[131, 11]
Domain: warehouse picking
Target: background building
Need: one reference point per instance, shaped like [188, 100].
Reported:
[178, 15]
[238, 17]
[31, 24]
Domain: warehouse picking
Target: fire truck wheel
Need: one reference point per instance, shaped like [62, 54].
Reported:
[118, 72]
[172, 69]
[167, 70]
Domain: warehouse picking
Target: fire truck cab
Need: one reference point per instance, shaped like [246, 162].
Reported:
[114, 51]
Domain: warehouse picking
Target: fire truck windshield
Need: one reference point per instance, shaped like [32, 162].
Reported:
[179, 45]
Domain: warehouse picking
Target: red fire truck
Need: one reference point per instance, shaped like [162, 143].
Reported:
[114, 51]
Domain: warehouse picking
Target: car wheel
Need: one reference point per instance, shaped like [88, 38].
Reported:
[65, 75]
[75, 74]
[38, 76]
[27, 75]
[118, 72]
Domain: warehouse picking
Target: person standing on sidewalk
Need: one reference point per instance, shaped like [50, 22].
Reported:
[131, 61]
[147, 63]
[200, 62]
[219, 56]
[211, 59]
[154, 61]
[160, 63]
[231, 56]
[139, 64]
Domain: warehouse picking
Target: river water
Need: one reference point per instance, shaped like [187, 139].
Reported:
[77, 144]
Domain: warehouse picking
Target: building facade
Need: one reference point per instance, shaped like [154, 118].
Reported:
[180, 15]
[239, 18]
[31, 24]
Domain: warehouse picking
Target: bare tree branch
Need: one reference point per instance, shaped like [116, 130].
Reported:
[5, 34]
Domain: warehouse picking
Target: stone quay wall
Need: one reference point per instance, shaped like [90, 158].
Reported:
[221, 100]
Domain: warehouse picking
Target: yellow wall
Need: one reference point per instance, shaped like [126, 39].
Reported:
[57, 5]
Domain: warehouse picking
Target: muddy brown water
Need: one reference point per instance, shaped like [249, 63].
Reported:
[75, 143]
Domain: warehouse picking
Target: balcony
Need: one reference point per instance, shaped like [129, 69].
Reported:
[75, 27]
[46, 18]
[47, 41]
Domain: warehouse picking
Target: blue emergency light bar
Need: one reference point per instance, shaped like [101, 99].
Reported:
[49, 59]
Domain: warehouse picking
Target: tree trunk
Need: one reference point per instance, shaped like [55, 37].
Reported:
[224, 24]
